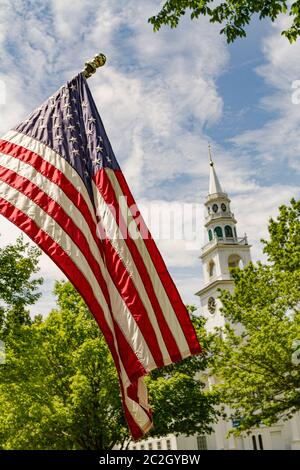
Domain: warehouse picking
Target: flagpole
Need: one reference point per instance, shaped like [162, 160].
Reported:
[92, 65]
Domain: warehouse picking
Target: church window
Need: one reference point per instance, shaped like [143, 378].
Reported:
[158, 445]
[201, 443]
[210, 235]
[169, 447]
[254, 443]
[150, 446]
[218, 231]
[235, 232]
[228, 231]
[235, 261]
[260, 441]
[211, 269]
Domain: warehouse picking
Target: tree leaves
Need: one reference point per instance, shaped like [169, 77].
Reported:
[18, 263]
[234, 15]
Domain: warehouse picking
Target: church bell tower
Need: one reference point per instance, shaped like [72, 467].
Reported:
[223, 250]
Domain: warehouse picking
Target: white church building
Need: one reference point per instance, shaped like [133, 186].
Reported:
[224, 249]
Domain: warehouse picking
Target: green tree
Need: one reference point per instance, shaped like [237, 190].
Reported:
[59, 388]
[18, 284]
[233, 15]
[257, 359]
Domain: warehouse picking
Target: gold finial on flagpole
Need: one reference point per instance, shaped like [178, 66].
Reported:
[92, 65]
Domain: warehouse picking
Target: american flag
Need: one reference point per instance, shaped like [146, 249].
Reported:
[61, 184]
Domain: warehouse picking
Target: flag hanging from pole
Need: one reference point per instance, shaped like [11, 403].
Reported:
[61, 184]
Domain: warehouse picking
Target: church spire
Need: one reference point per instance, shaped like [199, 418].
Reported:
[222, 250]
[214, 183]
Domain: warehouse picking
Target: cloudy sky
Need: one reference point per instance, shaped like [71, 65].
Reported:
[163, 96]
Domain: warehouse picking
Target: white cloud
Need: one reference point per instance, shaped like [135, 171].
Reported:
[253, 210]
[178, 229]
[71, 18]
[188, 286]
[276, 144]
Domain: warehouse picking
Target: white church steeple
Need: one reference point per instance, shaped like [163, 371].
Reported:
[220, 221]
[214, 183]
[222, 250]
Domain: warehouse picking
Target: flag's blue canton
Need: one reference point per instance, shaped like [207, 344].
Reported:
[69, 124]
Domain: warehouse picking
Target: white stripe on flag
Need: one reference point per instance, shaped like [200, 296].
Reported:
[121, 313]
[113, 233]
[55, 192]
[159, 290]
[55, 160]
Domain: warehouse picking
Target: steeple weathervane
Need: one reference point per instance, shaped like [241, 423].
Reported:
[210, 157]
[214, 183]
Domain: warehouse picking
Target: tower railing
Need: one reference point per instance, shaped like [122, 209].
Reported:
[216, 196]
[218, 215]
[226, 240]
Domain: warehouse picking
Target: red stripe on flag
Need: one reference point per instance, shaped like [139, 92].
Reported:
[61, 259]
[135, 430]
[56, 176]
[125, 285]
[133, 367]
[104, 185]
[167, 282]
[69, 268]
[130, 294]
[53, 209]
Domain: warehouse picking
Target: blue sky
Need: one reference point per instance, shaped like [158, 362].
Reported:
[162, 98]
